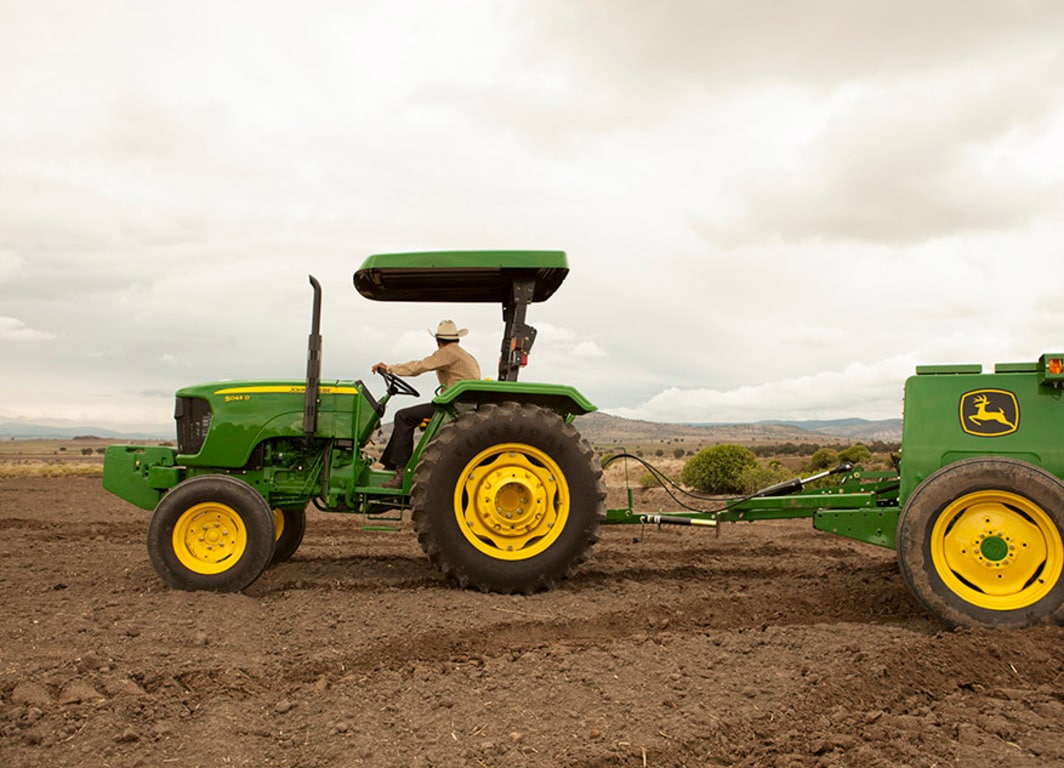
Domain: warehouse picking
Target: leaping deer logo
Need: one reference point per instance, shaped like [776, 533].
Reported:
[988, 413]
[982, 415]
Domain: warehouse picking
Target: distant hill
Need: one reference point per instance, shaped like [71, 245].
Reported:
[14, 430]
[887, 430]
[603, 428]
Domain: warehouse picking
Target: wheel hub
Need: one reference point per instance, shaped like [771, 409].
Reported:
[513, 501]
[209, 537]
[994, 548]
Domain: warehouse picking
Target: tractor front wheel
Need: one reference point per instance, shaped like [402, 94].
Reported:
[508, 498]
[981, 543]
[211, 532]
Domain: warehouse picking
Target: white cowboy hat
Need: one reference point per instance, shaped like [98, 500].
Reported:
[448, 331]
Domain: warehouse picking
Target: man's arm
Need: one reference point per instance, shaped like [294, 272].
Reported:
[435, 361]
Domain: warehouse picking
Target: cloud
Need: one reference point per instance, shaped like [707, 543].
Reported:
[874, 391]
[829, 121]
[909, 163]
[673, 45]
[12, 329]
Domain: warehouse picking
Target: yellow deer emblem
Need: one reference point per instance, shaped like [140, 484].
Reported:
[982, 415]
[989, 412]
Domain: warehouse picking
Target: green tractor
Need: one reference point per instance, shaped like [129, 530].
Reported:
[505, 496]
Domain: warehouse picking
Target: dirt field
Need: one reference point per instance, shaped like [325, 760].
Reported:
[772, 645]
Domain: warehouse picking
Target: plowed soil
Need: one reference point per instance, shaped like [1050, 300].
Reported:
[770, 645]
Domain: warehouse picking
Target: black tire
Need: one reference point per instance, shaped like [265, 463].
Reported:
[290, 523]
[980, 544]
[508, 498]
[211, 532]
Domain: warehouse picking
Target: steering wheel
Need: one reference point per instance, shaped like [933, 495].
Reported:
[397, 386]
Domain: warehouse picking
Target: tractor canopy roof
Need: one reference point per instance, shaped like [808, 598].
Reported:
[460, 276]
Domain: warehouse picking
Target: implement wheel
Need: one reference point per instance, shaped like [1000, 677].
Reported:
[507, 499]
[981, 543]
[211, 532]
[289, 526]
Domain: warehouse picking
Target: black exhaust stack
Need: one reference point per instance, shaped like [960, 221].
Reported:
[310, 402]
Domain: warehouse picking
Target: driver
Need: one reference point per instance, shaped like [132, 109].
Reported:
[452, 364]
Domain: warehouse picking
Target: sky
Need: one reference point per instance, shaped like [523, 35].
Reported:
[771, 210]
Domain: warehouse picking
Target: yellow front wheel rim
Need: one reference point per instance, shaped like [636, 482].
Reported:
[997, 550]
[278, 524]
[209, 537]
[511, 501]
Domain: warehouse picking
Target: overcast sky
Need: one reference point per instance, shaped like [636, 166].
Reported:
[771, 209]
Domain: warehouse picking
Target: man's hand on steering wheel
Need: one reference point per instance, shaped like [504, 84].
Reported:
[395, 385]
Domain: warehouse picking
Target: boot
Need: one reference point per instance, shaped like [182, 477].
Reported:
[397, 481]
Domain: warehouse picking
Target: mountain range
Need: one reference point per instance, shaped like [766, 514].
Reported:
[18, 431]
[601, 428]
[596, 427]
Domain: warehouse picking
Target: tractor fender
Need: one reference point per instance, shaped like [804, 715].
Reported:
[566, 401]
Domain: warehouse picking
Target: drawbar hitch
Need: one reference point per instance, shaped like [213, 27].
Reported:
[785, 488]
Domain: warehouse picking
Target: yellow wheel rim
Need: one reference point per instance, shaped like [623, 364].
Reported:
[997, 550]
[511, 501]
[278, 524]
[209, 537]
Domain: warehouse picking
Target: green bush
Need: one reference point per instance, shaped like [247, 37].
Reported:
[763, 475]
[856, 454]
[718, 469]
[825, 458]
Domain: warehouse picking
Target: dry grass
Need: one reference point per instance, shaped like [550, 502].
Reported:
[52, 458]
[50, 469]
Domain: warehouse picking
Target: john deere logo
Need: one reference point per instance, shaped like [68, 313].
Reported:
[989, 412]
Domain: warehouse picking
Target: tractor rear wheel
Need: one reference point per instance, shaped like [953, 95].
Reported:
[981, 543]
[289, 523]
[508, 498]
[211, 532]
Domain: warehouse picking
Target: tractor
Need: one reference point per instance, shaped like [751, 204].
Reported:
[506, 496]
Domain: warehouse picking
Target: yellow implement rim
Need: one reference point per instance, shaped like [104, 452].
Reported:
[997, 550]
[511, 501]
[209, 537]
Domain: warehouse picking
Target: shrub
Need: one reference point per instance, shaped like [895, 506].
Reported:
[856, 454]
[825, 458]
[718, 469]
[763, 475]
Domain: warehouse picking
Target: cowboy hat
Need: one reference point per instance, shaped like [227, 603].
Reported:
[448, 331]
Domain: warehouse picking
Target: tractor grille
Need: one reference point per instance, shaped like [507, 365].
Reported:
[193, 416]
